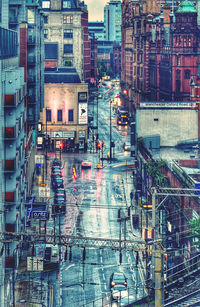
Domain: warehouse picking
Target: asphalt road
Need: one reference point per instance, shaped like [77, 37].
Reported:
[94, 198]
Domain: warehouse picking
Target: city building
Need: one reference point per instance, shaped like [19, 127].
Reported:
[13, 144]
[113, 21]
[65, 116]
[26, 17]
[116, 60]
[66, 36]
[97, 29]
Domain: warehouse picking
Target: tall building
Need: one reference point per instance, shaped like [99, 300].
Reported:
[26, 17]
[12, 153]
[97, 30]
[66, 35]
[113, 20]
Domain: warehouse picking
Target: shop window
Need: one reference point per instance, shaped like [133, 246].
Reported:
[68, 19]
[59, 115]
[48, 115]
[70, 115]
[68, 48]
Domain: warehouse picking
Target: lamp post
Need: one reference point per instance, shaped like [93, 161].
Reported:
[110, 102]
[97, 135]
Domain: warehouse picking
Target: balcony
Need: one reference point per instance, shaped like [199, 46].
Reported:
[9, 133]
[10, 197]
[10, 262]
[11, 100]
[10, 166]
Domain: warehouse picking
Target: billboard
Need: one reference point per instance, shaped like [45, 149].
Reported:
[82, 113]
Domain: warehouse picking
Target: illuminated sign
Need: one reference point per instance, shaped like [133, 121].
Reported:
[40, 215]
[82, 113]
[168, 105]
[82, 97]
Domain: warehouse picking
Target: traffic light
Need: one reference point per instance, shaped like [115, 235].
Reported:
[61, 145]
[98, 145]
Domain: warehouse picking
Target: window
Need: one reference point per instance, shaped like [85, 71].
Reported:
[68, 19]
[66, 4]
[48, 115]
[70, 115]
[178, 74]
[45, 4]
[187, 74]
[68, 48]
[68, 33]
[178, 60]
[59, 115]
[45, 33]
[68, 63]
[45, 19]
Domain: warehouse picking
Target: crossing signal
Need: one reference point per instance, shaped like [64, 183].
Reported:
[61, 145]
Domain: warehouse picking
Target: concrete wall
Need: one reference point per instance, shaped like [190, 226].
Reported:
[173, 125]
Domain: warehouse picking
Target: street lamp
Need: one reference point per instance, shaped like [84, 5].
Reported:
[110, 102]
[97, 135]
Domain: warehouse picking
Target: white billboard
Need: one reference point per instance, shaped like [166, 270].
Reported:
[82, 113]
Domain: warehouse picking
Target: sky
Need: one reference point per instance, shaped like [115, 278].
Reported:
[95, 9]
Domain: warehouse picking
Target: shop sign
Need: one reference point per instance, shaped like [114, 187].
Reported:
[82, 97]
[170, 105]
[82, 113]
[68, 134]
[40, 215]
[81, 133]
[58, 134]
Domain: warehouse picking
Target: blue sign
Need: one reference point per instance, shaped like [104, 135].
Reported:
[197, 186]
[40, 215]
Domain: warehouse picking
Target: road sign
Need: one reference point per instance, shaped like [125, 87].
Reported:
[39, 159]
[34, 264]
[40, 215]
[44, 192]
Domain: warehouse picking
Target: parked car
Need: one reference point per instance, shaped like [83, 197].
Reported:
[57, 183]
[86, 164]
[59, 199]
[119, 292]
[56, 161]
[118, 278]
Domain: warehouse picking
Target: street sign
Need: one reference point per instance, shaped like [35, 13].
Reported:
[40, 215]
[39, 159]
[34, 264]
[44, 192]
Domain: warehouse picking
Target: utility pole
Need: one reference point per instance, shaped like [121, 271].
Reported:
[97, 134]
[110, 102]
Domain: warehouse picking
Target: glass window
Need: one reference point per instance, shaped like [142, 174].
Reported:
[46, 19]
[68, 19]
[45, 4]
[70, 115]
[68, 33]
[68, 63]
[68, 48]
[187, 74]
[66, 4]
[59, 116]
[48, 115]
[45, 33]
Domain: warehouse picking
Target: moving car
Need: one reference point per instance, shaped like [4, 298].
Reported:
[119, 292]
[59, 199]
[118, 278]
[86, 164]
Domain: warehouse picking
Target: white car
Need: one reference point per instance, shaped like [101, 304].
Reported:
[119, 292]
[86, 164]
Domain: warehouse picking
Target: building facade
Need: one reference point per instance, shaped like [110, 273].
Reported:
[65, 116]
[66, 36]
[97, 29]
[112, 21]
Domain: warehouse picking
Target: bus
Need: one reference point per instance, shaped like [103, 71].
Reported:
[122, 116]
